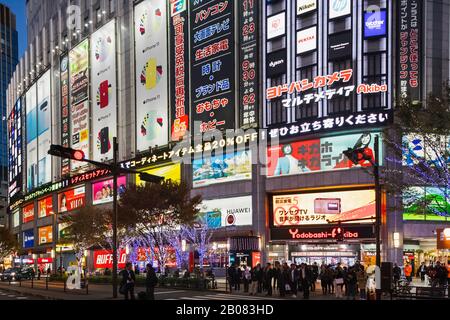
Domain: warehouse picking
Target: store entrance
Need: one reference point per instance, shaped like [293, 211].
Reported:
[328, 254]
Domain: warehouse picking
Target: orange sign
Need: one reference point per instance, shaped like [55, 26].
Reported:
[45, 207]
[45, 235]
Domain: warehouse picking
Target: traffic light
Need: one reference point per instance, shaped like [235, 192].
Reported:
[358, 155]
[69, 153]
[339, 233]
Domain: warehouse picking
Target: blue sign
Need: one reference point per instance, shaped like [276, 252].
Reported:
[28, 239]
[375, 24]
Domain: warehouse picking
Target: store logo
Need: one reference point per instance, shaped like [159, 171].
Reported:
[276, 26]
[295, 234]
[375, 24]
[177, 7]
[339, 5]
[304, 6]
[274, 64]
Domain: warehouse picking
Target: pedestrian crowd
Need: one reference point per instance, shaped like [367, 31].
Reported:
[284, 280]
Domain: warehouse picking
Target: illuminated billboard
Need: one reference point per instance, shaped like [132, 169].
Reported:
[426, 204]
[222, 168]
[44, 134]
[322, 154]
[45, 235]
[151, 76]
[319, 208]
[227, 212]
[45, 207]
[31, 138]
[102, 192]
[71, 199]
[104, 87]
[168, 172]
[28, 213]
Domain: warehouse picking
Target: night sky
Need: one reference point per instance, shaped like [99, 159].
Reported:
[18, 8]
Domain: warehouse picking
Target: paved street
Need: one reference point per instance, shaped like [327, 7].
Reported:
[10, 296]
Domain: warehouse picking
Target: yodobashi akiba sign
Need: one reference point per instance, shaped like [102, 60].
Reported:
[321, 233]
[104, 259]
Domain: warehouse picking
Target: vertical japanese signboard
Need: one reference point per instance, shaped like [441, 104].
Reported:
[15, 156]
[31, 128]
[212, 64]
[152, 123]
[65, 114]
[179, 60]
[44, 130]
[79, 103]
[248, 86]
[104, 86]
[409, 46]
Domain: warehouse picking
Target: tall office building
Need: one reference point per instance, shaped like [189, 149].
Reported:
[303, 71]
[8, 62]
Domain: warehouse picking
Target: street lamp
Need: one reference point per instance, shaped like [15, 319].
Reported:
[78, 155]
[362, 154]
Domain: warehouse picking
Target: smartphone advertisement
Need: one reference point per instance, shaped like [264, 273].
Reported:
[151, 36]
[44, 130]
[104, 86]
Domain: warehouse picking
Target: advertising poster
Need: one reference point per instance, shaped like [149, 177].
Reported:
[45, 235]
[71, 199]
[79, 103]
[409, 49]
[443, 239]
[151, 26]
[426, 203]
[248, 57]
[276, 26]
[305, 6]
[102, 192]
[227, 212]
[61, 230]
[318, 154]
[104, 87]
[169, 172]
[79, 73]
[44, 119]
[306, 40]
[28, 239]
[65, 112]
[375, 24]
[15, 158]
[45, 207]
[340, 46]
[222, 168]
[213, 65]
[32, 132]
[339, 8]
[16, 218]
[80, 131]
[319, 208]
[28, 213]
[179, 60]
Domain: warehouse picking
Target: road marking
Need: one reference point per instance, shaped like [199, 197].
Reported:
[22, 298]
[168, 292]
[224, 296]
[11, 296]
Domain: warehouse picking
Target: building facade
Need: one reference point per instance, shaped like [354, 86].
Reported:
[9, 58]
[306, 79]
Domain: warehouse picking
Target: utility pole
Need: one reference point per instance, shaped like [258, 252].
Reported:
[114, 222]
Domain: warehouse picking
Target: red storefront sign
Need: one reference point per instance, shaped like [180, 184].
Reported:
[256, 258]
[104, 259]
[45, 260]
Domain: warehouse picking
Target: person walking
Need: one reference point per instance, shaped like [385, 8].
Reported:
[330, 279]
[293, 279]
[237, 278]
[247, 277]
[128, 281]
[259, 277]
[397, 272]
[422, 271]
[268, 275]
[408, 272]
[339, 281]
[231, 272]
[362, 277]
[151, 280]
[305, 279]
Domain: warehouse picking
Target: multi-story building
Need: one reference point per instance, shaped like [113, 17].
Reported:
[318, 76]
[9, 57]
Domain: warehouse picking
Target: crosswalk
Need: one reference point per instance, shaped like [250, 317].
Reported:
[10, 296]
[223, 296]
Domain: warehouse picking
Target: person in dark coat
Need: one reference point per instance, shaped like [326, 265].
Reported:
[259, 274]
[293, 279]
[397, 272]
[268, 275]
[277, 279]
[305, 279]
[315, 274]
[151, 280]
[128, 281]
[237, 278]
[231, 272]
